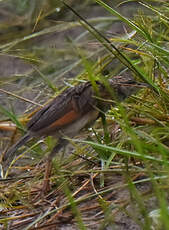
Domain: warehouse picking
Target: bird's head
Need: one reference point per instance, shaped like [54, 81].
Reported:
[123, 87]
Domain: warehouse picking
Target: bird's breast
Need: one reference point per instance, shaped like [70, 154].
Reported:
[75, 127]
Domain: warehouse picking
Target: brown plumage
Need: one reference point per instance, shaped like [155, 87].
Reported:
[71, 111]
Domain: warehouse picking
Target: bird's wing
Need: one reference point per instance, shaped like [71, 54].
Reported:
[64, 109]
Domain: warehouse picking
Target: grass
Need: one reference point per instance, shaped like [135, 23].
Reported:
[120, 167]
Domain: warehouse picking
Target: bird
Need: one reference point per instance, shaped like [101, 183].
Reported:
[69, 112]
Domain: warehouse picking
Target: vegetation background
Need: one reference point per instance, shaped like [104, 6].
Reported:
[115, 175]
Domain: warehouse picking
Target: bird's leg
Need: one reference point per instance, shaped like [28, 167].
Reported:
[46, 184]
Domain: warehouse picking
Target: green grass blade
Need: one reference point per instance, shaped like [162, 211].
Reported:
[122, 152]
[125, 20]
[12, 117]
[114, 50]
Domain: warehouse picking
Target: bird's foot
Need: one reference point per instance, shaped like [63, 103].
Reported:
[42, 191]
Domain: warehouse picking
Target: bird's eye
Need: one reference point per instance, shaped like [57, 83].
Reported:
[131, 82]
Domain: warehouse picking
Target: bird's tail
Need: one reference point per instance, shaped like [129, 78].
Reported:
[11, 153]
